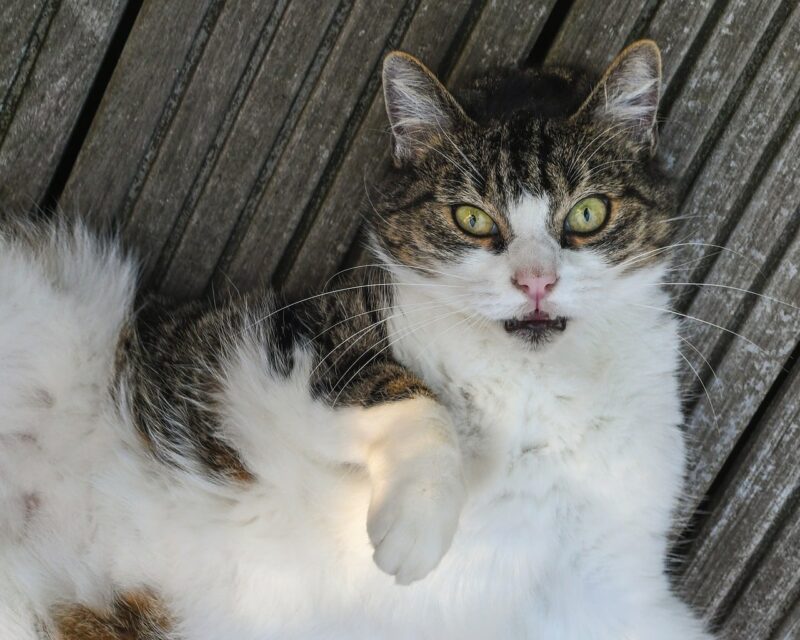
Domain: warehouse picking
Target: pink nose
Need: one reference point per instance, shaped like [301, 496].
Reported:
[535, 287]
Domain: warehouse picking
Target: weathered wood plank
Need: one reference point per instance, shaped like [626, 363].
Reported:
[61, 56]
[738, 161]
[773, 589]
[346, 86]
[790, 626]
[140, 101]
[429, 36]
[758, 124]
[745, 372]
[18, 40]
[713, 85]
[594, 32]
[675, 26]
[503, 36]
[212, 98]
[269, 113]
[745, 515]
[338, 216]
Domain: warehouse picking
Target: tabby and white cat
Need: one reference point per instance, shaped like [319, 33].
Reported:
[478, 437]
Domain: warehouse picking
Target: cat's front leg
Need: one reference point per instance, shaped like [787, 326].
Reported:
[417, 487]
[411, 451]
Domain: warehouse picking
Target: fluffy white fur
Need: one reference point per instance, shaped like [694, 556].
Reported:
[552, 474]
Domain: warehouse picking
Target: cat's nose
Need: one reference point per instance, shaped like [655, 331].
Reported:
[536, 287]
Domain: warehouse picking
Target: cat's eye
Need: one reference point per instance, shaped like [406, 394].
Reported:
[475, 221]
[587, 216]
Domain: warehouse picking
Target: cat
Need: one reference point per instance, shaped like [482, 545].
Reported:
[477, 436]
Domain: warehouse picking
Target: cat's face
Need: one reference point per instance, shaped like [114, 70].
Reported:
[525, 208]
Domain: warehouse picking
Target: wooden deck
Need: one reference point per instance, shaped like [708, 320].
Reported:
[229, 141]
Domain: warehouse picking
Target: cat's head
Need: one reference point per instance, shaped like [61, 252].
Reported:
[531, 202]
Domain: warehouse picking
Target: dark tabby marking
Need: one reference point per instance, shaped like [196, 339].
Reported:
[169, 364]
[351, 345]
[534, 131]
[136, 615]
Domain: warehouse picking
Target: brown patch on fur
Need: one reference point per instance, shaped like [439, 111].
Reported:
[27, 438]
[44, 398]
[135, 615]
[32, 502]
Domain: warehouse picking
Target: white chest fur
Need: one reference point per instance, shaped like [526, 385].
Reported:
[574, 460]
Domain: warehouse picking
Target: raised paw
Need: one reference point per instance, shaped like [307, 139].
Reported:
[414, 513]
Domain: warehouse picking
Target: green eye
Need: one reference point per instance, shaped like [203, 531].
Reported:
[587, 216]
[475, 221]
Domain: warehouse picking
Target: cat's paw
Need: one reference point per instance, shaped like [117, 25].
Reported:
[414, 513]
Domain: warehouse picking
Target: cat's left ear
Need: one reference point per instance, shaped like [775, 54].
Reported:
[420, 109]
[627, 95]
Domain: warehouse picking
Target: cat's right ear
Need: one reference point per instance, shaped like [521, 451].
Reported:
[420, 109]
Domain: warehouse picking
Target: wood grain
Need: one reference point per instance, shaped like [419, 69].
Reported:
[755, 251]
[140, 101]
[746, 514]
[789, 628]
[55, 53]
[21, 26]
[713, 85]
[269, 111]
[594, 32]
[346, 86]
[772, 590]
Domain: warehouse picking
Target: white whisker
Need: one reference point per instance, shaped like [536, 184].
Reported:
[730, 288]
[705, 390]
[711, 324]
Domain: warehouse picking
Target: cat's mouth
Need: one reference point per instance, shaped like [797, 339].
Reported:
[535, 326]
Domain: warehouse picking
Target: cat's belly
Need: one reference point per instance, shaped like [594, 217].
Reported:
[539, 563]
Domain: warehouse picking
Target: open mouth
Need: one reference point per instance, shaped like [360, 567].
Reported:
[535, 326]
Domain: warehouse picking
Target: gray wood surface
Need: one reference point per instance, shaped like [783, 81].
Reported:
[54, 49]
[234, 140]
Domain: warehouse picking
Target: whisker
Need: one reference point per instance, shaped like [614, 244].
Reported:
[353, 288]
[398, 338]
[619, 129]
[731, 288]
[364, 330]
[680, 265]
[689, 244]
[447, 157]
[711, 324]
[369, 200]
[475, 173]
[705, 390]
[586, 147]
[385, 266]
[682, 218]
[700, 353]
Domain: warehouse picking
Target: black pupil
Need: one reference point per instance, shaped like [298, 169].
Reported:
[473, 219]
[587, 215]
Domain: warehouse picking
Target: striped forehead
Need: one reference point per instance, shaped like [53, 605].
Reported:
[528, 216]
